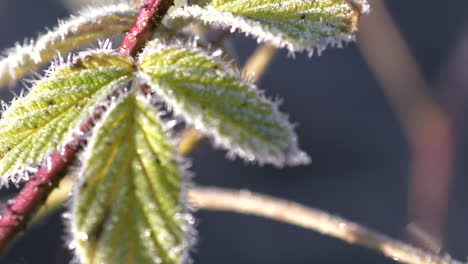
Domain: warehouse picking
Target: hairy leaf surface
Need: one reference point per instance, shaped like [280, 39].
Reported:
[209, 94]
[127, 207]
[41, 122]
[68, 35]
[298, 25]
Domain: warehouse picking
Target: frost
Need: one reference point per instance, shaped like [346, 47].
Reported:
[298, 25]
[131, 191]
[73, 33]
[210, 94]
[49, 116]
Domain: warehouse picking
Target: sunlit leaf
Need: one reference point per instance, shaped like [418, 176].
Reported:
[68, 35]
[209, 94]
[40, 123]
[127, 207]
[298, 25]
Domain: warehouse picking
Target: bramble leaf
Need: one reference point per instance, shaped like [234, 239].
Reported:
[43, 121]
[209, 94]
[68, 35]
[298, 25]
[127, 207]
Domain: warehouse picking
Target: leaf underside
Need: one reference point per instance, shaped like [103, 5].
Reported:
[209, 94]
[127, 207]
[68, 35]
[298, 25]
[37, 125]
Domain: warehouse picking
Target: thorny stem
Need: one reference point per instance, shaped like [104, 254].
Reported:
[39, 187]
[287, 211]
[55, 199]
[290, 212]
[35, 192]
[151, 14]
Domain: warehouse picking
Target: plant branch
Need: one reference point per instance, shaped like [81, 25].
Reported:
[35, 192]
[56, 198]
[39, 187]
[427, 127]
[31, 197]
[293, 213]
[258, 63]
[245, 202]
[151, 14]
[189, 141]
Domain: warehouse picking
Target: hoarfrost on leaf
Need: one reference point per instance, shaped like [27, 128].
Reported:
[208, 93]
[298, 25]
[128, 204]
[47, 118]
[70, 34]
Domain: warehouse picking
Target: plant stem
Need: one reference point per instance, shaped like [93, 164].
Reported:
[246, 202]
[189, 141]
[56, 198]
[151, 14]
[31, 197]
[259, 62]
[39, 187]
[290, 212]
[35, 192]
[425, 123]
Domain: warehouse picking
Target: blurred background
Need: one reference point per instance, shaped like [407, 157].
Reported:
[382, 119]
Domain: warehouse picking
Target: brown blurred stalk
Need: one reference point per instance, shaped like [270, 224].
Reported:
[246, 202]
[424, 122]
[453, 81]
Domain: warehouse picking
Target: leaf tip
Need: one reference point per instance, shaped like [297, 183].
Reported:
[297, 157]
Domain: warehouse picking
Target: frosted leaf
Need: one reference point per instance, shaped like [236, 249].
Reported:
[298, 25]
[41, 122]
[208, 93]
[68, 35]
[128, 204]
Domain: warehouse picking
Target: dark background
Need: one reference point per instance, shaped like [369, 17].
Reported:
[360, 155]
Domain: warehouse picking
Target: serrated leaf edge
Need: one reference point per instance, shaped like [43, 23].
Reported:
[253, 28]
[293, 157]
[21, 59]
[74, 136]
[188, 219]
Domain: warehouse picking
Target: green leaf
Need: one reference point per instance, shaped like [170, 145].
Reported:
[209, 94]
[40, 123]
[71, 34]
[298, 25]
[127, 207]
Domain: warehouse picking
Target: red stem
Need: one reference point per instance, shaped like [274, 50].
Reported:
[35, 192]
[32, 196]
[150, 16]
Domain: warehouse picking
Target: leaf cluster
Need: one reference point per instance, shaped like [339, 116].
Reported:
[128, 204]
